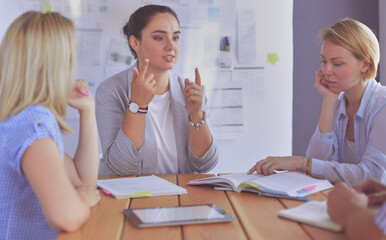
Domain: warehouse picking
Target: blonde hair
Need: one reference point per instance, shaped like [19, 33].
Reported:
[356, 38]
[37, 65]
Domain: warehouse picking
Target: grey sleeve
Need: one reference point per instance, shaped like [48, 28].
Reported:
[119, 153]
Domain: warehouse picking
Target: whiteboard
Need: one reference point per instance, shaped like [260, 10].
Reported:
[243, 49]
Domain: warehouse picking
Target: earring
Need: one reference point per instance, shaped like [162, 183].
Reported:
[137, 49]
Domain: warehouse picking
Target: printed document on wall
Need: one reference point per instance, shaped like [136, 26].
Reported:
[227, 108]
[246, 36]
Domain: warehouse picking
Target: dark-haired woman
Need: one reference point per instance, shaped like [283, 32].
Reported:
[150, 120]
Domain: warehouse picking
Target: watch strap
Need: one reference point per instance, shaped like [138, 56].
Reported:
[140, 109]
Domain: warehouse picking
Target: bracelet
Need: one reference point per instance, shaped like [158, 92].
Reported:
[198, 124]
[308, 169]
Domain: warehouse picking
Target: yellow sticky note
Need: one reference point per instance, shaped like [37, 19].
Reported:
[272, 58]
[47, 8]
[143, 193]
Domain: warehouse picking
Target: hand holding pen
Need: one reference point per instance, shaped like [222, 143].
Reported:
[342, 200]
[374, 190]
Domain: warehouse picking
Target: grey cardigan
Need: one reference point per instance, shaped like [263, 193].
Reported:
[120, 156]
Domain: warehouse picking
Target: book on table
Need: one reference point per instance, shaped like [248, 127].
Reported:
[132, 187]
[313, 213]
[291, 184]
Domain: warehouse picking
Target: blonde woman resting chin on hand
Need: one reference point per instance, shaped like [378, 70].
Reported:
[42, 190]
[351, 129]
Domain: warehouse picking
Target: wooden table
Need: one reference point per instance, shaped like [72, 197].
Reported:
[255, 216]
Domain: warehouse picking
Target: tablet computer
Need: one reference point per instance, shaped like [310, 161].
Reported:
[168, 216]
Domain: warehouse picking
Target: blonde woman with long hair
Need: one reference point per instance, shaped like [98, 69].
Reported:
[348, 142]
[42, 190]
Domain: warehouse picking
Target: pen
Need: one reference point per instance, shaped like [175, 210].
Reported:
[304, 199]
[342, 178]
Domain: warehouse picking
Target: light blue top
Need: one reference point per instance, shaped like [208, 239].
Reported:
[327, 151]
[21, 216]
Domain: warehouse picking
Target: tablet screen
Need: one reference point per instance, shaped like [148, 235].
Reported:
[164, 216]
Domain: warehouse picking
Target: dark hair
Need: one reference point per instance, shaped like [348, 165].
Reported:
[139, 20]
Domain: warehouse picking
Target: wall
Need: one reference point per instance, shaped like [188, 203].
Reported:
[308, 18]
[382, 40]
[266, 88]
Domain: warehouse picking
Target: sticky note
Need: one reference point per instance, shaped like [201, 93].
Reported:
[143, 193]
[272, 58]
[252, 184]
[213, 14]
[106, 192]
[306, 189]
[310, 187]
[47, 8]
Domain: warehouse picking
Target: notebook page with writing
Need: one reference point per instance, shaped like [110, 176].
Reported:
[313, 213]
[290, 183]
[227, 180]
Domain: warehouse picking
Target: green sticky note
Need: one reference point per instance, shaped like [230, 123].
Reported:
[252, 184]
[272, 58]
[143, 193]
[47, 8]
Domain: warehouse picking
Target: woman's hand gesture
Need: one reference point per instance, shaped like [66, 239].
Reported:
[193, 97]
[81, 98]
[143, 85]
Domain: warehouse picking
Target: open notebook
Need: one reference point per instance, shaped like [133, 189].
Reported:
[132, 187]
[313, 213]
[293, 184]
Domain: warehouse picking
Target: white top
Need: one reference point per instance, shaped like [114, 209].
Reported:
[162, 119]
[349, 152]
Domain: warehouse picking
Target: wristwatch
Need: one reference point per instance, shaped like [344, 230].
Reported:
[134, 108]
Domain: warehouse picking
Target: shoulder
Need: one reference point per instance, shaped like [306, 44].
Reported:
[119, 82]
[34, 122]
[178, 79]
[374, 98]
[378, 97]
[32, 114]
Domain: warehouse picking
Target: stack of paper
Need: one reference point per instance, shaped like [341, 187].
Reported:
[139, 187]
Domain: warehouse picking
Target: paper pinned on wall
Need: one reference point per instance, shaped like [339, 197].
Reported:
[254, 80]
[227, 108]
[246, 36]
[227, 16]
[119, 53]
[47, 8]
[88, 43]
[29, 5]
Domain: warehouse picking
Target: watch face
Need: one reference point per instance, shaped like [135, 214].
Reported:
[133, 107]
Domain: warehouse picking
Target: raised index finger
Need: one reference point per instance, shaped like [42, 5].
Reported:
[142, 72]
[198, 77]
